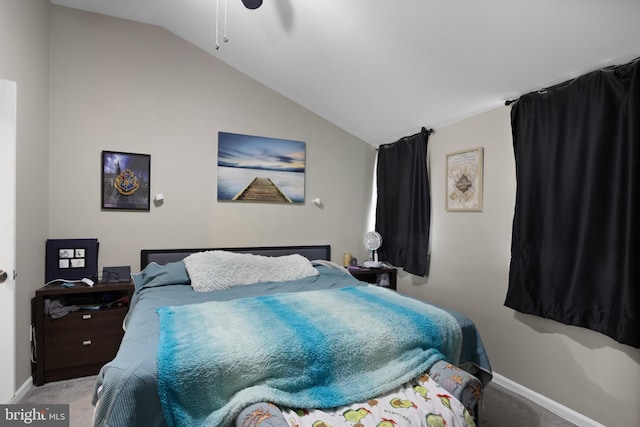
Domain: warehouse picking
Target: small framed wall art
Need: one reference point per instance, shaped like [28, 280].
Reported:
[464, 171]
[125, 180]
[71, 259]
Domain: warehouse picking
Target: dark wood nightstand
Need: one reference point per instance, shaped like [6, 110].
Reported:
[80, 342]
[375, 275]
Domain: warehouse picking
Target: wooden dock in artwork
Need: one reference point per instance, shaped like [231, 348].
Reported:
[262, 190]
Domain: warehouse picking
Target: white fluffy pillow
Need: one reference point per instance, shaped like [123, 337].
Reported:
[215, 270]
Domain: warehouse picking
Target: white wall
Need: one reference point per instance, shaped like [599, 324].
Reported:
[24, 43]
[124, 86]
[578, 368]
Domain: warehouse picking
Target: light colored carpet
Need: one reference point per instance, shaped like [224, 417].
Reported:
[76, 392]
[501, 407]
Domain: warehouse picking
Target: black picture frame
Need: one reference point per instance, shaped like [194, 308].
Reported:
[71, 259]
[126, 181]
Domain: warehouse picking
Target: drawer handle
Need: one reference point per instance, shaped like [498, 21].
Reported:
[86, 342]
[86, 316]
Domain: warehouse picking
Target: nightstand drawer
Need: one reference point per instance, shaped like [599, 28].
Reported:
[83, 324]
[81, 351]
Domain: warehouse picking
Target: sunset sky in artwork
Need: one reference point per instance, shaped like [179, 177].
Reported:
[256, 152]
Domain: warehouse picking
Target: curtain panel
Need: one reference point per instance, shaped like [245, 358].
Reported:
[575, 252]
[403, 209]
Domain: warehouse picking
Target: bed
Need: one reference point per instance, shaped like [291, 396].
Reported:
[249, 355]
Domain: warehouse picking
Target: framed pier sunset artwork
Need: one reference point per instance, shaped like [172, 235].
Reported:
[260, 169]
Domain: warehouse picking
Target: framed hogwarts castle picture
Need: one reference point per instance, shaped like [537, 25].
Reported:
[125, 180]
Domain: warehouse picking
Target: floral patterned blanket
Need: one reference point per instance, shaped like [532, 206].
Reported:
[420, 402]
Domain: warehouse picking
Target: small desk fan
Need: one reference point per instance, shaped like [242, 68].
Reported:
[372, 241]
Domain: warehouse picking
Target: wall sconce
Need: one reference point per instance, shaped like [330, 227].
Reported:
[158, 199]
[317, 202]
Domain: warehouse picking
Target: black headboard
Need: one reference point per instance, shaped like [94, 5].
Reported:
[163, 256]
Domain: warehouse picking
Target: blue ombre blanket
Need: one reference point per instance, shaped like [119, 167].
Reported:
[315, 349]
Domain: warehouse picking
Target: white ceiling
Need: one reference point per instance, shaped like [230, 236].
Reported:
[382, 69]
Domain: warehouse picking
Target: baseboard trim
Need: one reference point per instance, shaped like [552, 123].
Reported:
[23, 390]
[548, 404]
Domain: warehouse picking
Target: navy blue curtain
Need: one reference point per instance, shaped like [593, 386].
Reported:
[575, 254]
[403, 209]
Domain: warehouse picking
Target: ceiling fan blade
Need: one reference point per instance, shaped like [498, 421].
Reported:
[252, 4]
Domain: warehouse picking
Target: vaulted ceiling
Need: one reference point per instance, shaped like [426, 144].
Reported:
[382, 69]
